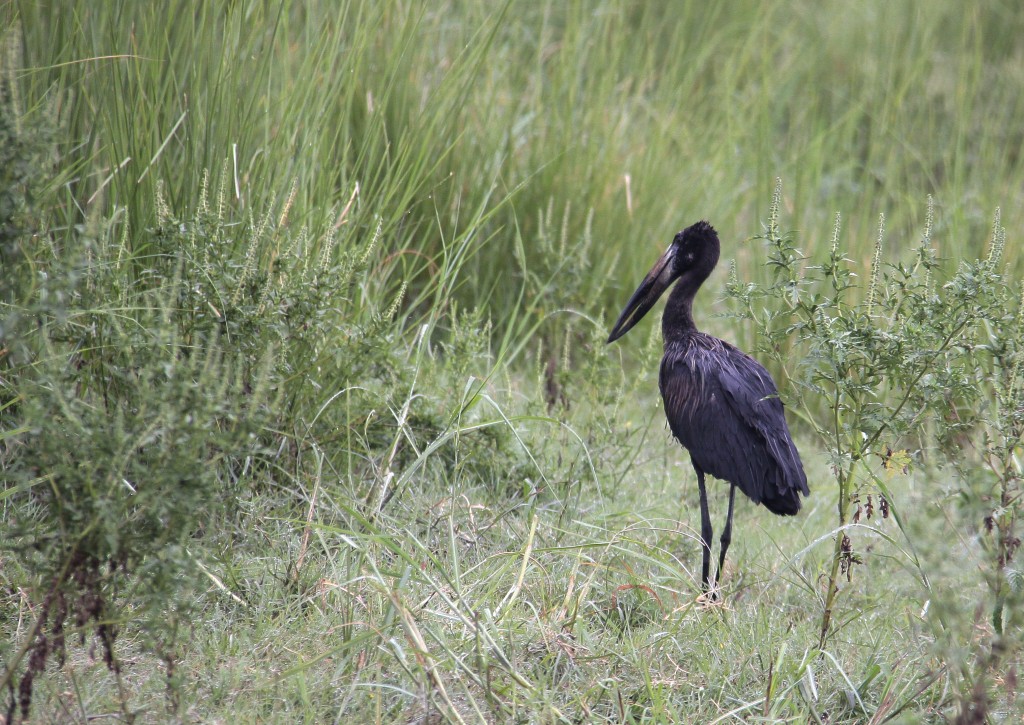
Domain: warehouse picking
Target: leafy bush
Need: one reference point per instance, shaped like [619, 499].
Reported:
[151, 387]
[127, 425]
[891, 366]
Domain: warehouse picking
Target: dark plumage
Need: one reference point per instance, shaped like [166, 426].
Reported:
[722, 405]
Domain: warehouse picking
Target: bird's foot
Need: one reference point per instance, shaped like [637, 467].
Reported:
[712, 595]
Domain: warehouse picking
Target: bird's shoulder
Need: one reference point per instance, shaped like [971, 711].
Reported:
[713, 360]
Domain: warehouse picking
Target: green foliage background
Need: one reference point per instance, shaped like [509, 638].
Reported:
[306, 411]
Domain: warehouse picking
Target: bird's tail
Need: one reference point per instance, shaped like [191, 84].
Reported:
[782, 495]
[784, 503]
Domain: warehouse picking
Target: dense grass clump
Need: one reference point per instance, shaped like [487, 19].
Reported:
[305, 408]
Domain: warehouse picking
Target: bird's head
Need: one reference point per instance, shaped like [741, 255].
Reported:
[692, 254]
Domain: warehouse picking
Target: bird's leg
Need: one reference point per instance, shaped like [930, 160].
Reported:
[726, 533]
[705, 530]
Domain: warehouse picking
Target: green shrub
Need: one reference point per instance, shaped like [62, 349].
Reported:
[891, 366]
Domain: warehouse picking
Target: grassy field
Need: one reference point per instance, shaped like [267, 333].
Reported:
[305, 408]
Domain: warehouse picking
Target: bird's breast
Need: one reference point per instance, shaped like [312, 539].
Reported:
[684, 387]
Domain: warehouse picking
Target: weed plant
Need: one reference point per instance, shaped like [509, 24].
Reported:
[885, 377]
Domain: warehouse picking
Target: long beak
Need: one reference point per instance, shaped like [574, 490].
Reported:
[654, 284]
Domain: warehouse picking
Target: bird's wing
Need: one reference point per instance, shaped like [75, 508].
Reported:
[754, 398]
[724, 408]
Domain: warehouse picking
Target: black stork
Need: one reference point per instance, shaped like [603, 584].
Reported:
[722, 405]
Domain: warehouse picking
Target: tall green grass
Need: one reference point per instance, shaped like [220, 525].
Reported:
[649, 116]
[328, 283]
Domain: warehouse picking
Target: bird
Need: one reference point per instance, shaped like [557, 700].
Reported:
[721, 404]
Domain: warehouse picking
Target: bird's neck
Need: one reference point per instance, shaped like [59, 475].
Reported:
[677, 321]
